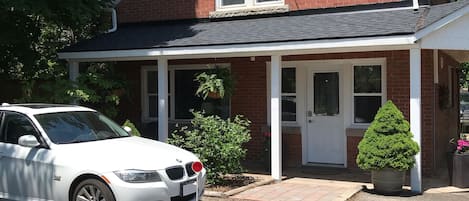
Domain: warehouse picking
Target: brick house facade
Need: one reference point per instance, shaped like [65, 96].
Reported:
[334, 40]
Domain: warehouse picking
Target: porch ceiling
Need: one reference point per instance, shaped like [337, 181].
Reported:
[264, 36]
[459, 55]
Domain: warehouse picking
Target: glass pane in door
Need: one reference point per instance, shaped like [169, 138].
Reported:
[326, 94]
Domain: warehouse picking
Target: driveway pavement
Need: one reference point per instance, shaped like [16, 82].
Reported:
[302, 189]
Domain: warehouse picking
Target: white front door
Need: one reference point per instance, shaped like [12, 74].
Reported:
[325, 116]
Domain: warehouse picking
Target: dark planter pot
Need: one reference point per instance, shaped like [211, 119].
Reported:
[460, 170]
[388, 181]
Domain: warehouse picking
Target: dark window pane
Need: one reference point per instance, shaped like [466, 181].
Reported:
[15, 126]
[288, 108]
[153, 106]
[367, 79]
[366, 108]
[232, 2]
[218, 107]
[288, 80]
[152, 82]
[185, 98]
[326, 94]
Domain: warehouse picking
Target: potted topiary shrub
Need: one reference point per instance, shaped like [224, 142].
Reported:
[387, 149]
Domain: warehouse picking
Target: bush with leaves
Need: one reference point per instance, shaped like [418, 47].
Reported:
[387, 142]
[101, 88]
[217, 142]
[134, 131]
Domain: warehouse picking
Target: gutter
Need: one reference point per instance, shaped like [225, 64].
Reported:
[114, 20]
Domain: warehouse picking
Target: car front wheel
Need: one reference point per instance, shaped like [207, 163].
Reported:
[92, 190]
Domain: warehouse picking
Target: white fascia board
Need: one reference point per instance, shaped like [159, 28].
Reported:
[258, 49]
[442, 22]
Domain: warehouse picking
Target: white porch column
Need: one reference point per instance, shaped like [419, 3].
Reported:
[163, 99]
[73, 70]
[415, 116]
[276, 118]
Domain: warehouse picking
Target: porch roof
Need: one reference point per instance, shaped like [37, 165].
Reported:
[301, 28]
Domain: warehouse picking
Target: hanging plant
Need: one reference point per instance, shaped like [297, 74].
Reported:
[215, 83]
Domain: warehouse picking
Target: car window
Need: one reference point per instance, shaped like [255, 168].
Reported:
[16, 125]
[74, 127]
[1, 128]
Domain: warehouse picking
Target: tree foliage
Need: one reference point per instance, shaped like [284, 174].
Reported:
[217, 142]
[464, 76]
[34, 30]
[387, 142]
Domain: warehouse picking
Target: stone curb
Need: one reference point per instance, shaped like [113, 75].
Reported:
[237, 190]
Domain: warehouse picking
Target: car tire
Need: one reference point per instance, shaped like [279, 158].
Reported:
[92, 190]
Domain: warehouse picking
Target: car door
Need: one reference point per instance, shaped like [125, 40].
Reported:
[27, 173]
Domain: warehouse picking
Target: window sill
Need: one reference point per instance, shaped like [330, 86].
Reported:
[355, 131]
[247, 11]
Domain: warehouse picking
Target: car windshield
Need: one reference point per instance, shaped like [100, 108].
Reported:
[75, 127]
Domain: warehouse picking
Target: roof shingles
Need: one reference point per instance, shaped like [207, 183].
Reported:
[265, 30]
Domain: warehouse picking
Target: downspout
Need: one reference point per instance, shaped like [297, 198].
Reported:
[114, 20]
[415, 4]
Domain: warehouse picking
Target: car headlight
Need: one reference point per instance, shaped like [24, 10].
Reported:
[138, 176]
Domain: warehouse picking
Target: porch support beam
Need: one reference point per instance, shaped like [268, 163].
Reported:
[415, 115]
[276, 118]
[163, 99]
[73, 72]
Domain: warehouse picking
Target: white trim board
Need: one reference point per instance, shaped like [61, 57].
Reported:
[243, 50]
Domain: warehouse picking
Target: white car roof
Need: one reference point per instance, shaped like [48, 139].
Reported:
[42, 108]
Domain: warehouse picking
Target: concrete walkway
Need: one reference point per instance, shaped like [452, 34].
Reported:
[302, 189]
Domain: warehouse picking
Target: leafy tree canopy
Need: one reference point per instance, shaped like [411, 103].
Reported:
[34, 30]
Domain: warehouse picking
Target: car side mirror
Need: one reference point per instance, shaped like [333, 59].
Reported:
[127, 129]
[28, 141]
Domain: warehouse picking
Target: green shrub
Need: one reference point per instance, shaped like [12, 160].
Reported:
[387, 142]
[217, 142]
[132, 127]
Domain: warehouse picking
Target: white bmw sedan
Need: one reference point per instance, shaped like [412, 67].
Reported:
[60, 152]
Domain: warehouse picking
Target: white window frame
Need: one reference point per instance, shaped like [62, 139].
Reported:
[383, 93]
[296, 94]
[247, 4]
[144, 95]
[171, 75]
[290, 94]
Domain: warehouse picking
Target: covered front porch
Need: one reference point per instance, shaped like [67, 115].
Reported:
[405, 62]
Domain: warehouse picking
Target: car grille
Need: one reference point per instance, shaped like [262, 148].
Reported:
[175, 173]
[189, 170]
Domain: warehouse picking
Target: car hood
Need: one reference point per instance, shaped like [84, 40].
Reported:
[121, 154]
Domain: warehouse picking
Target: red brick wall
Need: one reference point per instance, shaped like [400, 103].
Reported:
[250, 97]
[352, 151]
[158, 10]
[427, 145]
[308, 4]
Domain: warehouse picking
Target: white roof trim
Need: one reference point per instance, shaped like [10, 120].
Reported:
[442, 22]
[257, 49]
